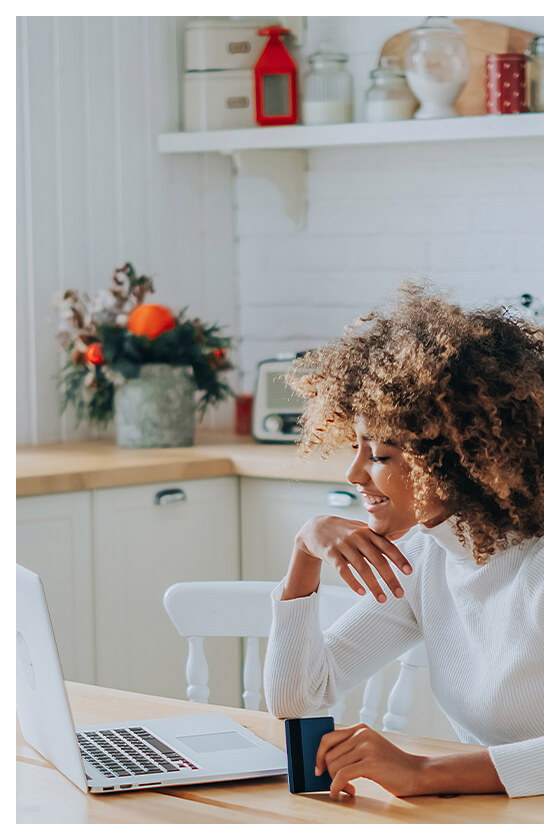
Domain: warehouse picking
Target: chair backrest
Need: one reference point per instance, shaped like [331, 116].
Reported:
[243, 609]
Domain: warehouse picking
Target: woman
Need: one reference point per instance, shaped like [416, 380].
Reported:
[445, 411]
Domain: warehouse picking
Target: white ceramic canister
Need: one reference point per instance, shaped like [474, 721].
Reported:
[222, 44]
[218, 99]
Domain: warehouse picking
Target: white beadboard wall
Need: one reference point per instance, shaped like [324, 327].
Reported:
[94, 93]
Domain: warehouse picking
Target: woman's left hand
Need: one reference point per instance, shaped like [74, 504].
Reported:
[358, 751]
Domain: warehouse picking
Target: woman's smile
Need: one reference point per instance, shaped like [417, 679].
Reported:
[371, 501]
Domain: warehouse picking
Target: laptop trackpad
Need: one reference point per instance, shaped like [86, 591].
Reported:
[215, 742]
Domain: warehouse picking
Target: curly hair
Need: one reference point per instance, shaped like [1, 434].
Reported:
[460, 393]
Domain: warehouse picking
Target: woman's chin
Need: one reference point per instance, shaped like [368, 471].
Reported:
[391, 530]
[380, 525]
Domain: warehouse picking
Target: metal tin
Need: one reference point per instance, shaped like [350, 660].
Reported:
[506, 89]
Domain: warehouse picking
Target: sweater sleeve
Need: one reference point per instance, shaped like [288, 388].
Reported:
[306, 671]
[520, 766]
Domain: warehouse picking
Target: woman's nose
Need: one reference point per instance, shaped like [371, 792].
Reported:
[357, 471]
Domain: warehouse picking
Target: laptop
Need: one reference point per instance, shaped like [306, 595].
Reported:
[126, 755]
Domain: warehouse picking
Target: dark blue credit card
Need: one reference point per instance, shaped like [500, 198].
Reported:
[303, 736]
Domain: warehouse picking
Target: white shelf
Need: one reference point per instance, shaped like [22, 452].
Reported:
[354, 134]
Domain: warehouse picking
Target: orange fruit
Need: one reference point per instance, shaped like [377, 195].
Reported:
[94, 354]
[150, 319]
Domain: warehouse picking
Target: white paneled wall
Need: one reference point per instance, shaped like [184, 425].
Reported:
[94, 93]
[93, 192]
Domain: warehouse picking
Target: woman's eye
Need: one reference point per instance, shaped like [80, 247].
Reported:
[377, 459]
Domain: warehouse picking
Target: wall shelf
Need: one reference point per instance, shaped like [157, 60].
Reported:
[279, 153]
[507, 126]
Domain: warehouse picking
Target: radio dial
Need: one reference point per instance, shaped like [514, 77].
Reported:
[273, 423]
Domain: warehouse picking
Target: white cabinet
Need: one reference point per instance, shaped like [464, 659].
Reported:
[272, 511]
[140, 548]
[54, 540]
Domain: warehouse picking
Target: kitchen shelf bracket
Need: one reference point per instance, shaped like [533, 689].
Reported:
[285, 169]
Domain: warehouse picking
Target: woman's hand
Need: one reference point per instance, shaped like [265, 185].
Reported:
[358, 751]
[348, 544]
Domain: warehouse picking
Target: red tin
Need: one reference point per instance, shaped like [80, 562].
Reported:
[243, 413]
[275, 81]
[506, 83]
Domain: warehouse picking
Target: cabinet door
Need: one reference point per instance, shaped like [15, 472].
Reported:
[142, 547]
[54, 540]
[272, 511]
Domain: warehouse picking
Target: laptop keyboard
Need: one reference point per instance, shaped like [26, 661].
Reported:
[131, 751]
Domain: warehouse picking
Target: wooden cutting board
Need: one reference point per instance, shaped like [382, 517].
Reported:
[482, 37]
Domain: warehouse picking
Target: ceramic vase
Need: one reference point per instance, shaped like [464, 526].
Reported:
[157, 409]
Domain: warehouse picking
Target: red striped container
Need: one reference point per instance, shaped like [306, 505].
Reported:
[506, 83]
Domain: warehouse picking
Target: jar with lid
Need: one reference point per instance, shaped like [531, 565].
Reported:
[437, 67]
[535, 69]
[327, 89]
[389, 97]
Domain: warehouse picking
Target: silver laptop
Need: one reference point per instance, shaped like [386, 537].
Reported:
[126, 755]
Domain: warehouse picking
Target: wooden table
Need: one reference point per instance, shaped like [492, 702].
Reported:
[45, 796]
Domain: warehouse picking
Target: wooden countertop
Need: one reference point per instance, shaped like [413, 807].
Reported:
[46, 796]
[92, 464]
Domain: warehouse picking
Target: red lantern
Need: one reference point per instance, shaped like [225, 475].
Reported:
[275, 81]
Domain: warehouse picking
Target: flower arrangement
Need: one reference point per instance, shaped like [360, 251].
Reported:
[108, 337]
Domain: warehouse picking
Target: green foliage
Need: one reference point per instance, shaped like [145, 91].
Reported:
[93, 403]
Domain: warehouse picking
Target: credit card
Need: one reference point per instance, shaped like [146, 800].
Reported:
[303, 736]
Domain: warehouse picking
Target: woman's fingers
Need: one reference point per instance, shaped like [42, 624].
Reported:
[341, 780]
[342, 566]
[372, 545]
[355, 557]
[363, 562]
[331, 740]
[349, 789]
[339, 753]
[390, 550]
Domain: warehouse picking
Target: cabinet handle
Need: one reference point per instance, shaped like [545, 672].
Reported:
[166, 497]
[340, 498]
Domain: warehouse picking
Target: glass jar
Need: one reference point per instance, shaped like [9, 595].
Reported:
[535, 68]
[389, 97]
[327, 90]
[437, 66]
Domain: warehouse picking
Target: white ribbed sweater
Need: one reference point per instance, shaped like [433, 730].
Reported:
[483, 629]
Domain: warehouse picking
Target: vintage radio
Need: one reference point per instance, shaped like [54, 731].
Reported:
[276, 408]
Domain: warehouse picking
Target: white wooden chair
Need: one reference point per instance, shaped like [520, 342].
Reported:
[242, 609]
